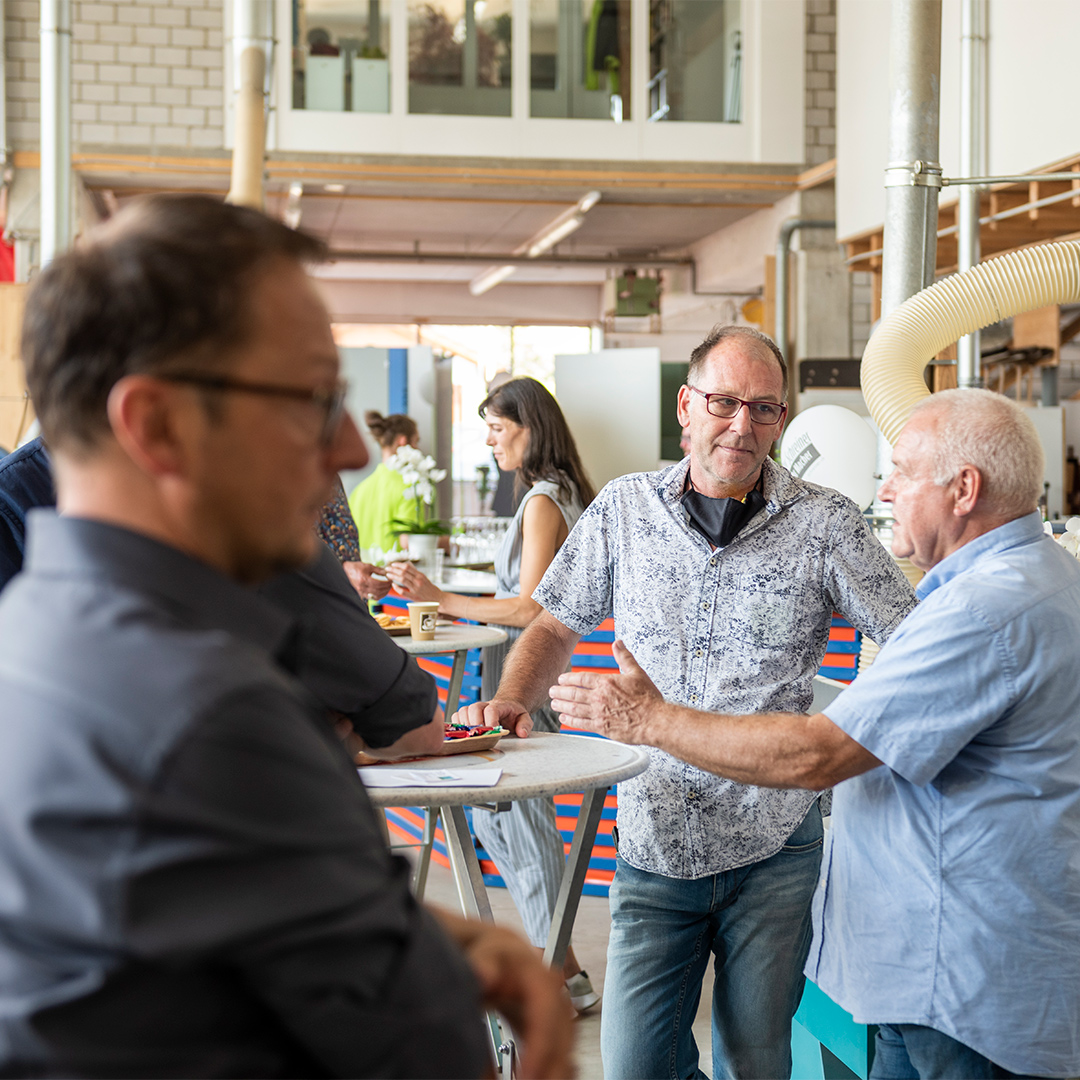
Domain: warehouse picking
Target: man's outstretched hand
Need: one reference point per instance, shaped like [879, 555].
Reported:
[512, 715]
[617, 706]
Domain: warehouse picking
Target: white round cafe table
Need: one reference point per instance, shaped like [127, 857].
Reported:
[544, 764]
[457, 638]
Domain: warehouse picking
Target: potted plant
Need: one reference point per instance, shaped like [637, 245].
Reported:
[418, 471]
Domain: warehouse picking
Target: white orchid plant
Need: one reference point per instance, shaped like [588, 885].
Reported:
[1070, 538]
[418, 471]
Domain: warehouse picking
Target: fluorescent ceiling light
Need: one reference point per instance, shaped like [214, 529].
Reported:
[553, 234]
[559, 229]
[489, 279]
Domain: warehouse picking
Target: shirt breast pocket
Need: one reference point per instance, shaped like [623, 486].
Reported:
[770, 618]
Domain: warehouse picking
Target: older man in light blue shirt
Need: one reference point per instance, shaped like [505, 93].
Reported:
[949, 906]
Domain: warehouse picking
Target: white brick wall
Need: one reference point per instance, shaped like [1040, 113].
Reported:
[861, 308]
[820, 81]
[145, 73]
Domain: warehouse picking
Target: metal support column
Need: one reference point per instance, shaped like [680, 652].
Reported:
[972, 163]
[56, 230]
[913, 175]
[252, 44]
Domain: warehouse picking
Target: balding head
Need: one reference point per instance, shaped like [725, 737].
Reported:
[993, 434]
[757, 343]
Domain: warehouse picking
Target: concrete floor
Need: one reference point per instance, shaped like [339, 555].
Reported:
[590, 944]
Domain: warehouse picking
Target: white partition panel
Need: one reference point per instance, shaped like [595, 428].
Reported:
[611, 400]
[368, 374]
[1050, 424]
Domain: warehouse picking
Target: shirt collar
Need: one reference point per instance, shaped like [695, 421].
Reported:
[73, 547]
[1021, 530]
[777, 485]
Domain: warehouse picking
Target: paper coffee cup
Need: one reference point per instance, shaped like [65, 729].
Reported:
[423, 615]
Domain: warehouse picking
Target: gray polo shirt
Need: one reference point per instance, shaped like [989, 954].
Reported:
[192, 881]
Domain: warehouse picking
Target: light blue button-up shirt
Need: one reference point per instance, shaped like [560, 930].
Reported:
[950, 892]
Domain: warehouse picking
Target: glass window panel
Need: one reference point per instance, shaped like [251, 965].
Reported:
[695, 60]
[579, 65]
[459, 57]
[340, 52]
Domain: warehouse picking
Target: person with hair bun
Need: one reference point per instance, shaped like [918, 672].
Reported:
[380, 499]
[528, 432]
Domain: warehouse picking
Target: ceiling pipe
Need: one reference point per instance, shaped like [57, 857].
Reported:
[972, 163]
[913, 175]
[788, 228]
[56, 226]
[252, 46]
[453, 258]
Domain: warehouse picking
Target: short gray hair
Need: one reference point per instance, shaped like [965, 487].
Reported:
[992, 433]
[722, 332]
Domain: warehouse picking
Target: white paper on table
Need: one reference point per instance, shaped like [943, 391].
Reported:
[382, 777]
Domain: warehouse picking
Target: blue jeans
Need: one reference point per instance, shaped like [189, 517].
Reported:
[914, 1052]
[756, 923]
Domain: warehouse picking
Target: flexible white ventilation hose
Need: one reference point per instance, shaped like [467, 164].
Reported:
[908, 339]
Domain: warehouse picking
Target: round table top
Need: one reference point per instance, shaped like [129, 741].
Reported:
[451, 637]
[543, 764]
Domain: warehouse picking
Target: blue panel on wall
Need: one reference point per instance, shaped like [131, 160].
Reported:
[399, 380]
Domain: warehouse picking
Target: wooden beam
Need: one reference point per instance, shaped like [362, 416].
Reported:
[1070, 330]
[1040, 328]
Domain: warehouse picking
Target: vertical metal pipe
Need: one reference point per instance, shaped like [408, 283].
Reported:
[56, 231]
[469, 57]
[252, 44]
[972, 163]
[913, 175]
[7, 170]
[788, 229]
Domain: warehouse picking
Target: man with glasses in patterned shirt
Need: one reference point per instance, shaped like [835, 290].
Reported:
[722, 572]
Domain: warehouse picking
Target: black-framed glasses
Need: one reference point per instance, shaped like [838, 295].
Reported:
[330, 402]
[766, 413]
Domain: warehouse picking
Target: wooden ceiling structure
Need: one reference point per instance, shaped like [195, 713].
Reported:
[1012, 216]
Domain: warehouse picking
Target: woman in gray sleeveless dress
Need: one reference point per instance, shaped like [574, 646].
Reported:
[528, 432]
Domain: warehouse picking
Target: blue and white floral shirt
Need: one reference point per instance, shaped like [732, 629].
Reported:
[740, 629]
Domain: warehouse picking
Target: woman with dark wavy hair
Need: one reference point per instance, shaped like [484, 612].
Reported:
[528, 432]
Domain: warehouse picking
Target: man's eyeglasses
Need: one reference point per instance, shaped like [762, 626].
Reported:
[766, 413]
[330, 402]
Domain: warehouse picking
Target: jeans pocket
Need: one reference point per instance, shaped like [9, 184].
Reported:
[809, 834]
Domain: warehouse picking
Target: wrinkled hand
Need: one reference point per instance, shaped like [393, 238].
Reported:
[512, 715]
[617, 706]
[411, 583]
[516, 982]
[367, 580]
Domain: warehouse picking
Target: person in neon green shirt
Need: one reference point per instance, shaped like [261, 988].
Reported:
[380, 499]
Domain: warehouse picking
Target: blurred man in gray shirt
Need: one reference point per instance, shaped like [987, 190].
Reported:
[192, 881]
